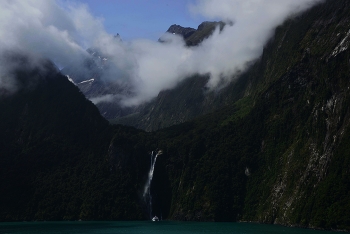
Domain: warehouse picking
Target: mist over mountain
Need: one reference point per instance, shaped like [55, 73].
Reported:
[107, 95]
[270, 146]
[62, 33]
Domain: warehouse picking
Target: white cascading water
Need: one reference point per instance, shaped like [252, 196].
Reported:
[147, 191]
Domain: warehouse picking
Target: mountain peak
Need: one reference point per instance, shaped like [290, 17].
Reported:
[177, 29]
[211, 24]
[193, 36]
[118, 37]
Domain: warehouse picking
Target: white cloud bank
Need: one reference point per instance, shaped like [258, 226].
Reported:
[62, 33]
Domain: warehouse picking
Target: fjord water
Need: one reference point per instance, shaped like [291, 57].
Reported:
[148, 227]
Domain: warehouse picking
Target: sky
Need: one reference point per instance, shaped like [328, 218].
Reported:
[62, 30]
[148, 19]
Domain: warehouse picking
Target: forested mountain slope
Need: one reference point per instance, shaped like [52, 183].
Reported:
[279, 154]
[61, 160]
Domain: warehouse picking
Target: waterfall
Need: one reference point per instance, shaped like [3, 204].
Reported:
[147, 191]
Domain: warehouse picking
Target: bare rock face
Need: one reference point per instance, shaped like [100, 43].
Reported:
[177, 29]
[194, 37]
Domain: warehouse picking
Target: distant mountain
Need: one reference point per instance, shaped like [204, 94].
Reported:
[190, 98]
[147, 116]
[194, 37]
[88, 78]
[179, 30]
[203, 31]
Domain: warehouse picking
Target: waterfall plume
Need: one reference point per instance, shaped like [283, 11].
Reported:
[147, 196]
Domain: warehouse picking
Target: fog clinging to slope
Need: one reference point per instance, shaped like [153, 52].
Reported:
[62, 33]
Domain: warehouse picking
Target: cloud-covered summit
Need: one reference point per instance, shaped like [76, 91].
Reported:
[62, 32]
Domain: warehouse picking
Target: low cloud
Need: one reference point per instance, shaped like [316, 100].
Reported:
[62, 33]
[224, 55]
[8, 84]
[42, 27]
[11, 61]
[104, 98]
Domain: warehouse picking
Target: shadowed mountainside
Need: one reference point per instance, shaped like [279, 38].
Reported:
[280, 153]
[60, 159]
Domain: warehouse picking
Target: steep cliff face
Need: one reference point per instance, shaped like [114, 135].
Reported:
[279, 154]
[306, 119]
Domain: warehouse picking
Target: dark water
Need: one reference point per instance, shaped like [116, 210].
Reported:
[163, 227]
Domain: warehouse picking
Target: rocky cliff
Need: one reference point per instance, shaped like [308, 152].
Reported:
[194, 37]
[279, 154]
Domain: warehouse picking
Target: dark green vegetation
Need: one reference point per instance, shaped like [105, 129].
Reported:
[276, 152]
[187, 101]
[279, 154]
[59, 159]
